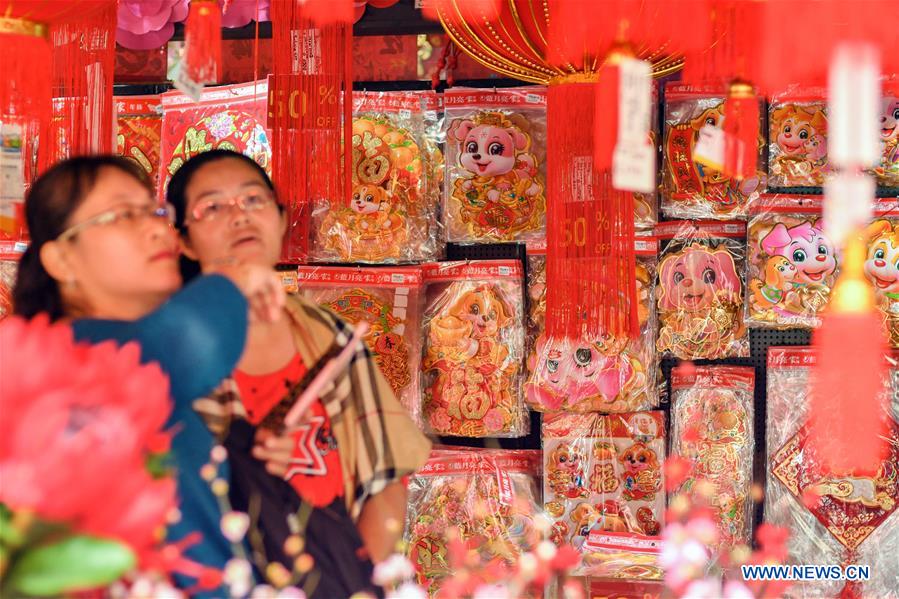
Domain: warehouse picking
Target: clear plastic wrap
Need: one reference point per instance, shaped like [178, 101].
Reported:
[434, 141]
[888, 171]
[604, 473]
[792, 265]
[882, 264]
[496, 164]
[490, 497]
[797, 139]
[474, 349]
[536, 321]
[693, 189]
[700, 290]
[10, 252]
[646, 205]
[712, 426]
[390, 217]
[386, 298]
[601, 375]
[856, 520]
[619, 556]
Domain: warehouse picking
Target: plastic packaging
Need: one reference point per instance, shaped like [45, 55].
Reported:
[691, 188]
[386, 298]
[700, 290]
[604, 473]
[490, 498]
[619, 556]
[882, 264]
[855, 520]
[792, 264]
[474, 349]
[797, 139]
[10, 253]
[496, 164]
[536, 321]
[712, 426]
[139, 131]
[390, 217]
[888, 172]
[601, 375]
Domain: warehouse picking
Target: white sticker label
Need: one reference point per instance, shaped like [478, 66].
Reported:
[405, 113]
[709, 149]
[634, 167]
[398, 278]
[732, 228]
[533, 99]
[504, 271]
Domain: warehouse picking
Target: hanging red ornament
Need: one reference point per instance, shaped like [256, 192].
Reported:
[203, 41]
[741, 131]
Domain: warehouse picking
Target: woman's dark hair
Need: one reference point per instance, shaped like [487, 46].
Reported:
[50, 203]
[176, 194]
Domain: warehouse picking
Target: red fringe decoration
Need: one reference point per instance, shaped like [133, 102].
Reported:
[590, 264]
[741, 131]
[847, 411]
[310, 92]
[203, 41]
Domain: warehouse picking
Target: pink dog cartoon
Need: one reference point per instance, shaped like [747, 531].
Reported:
[698, 278]
[576, 374]
[503, 195]
[806, 247]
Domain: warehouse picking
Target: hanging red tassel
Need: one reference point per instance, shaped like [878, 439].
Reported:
[741, 131]
[846, 420]
[203, 41]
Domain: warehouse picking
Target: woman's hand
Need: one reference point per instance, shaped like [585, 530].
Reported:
[275, 451]
[261, 286]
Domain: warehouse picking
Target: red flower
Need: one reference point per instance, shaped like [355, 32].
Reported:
[677, 469]
[78, 423]
[772, 541]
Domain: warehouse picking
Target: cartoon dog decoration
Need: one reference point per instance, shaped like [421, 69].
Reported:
[369, 229]
[642, 475]
[882, 270]
[799, 136]
[500, 195]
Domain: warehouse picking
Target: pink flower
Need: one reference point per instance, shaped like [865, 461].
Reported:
[702, 589]
[440, 420]
[148, 24]
[238, 13]
[493, 420]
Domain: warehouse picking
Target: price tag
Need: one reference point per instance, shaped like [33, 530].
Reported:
[634, 167]
[634, 101]
[709, 149]
[397, 278]
[185, 84]
[532, 99]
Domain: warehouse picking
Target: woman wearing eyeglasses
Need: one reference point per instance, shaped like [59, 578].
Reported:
[357, 442]
[104, 255]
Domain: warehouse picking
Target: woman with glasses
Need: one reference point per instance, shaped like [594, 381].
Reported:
[348, 458]
[104, 255]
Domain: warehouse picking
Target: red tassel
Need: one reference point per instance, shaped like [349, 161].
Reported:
[605, 134]
[741, 131]
[203, 41]
[847, 411]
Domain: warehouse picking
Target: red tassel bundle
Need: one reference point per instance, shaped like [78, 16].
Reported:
[605, 130]
[203, 41]
[741, 131]
[846, 419]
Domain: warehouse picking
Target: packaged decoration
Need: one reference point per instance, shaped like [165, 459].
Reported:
[694, 186]
[10, 252]
[699, 291]
[473, 356]
[496, 164]
[139, 131]
[845, 518]
[882, 264]
[487, 498]
[13, 175]
[600, 375]
[603, 473]
[711, 425]
[610, 558]
[391, 213]
[646, 205]
[536, 289]
[231, 117]
[797, 139]
[388, 300]
[888, 172]
[792, 264]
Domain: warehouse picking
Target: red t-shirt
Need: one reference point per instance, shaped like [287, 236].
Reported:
[314, 469]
